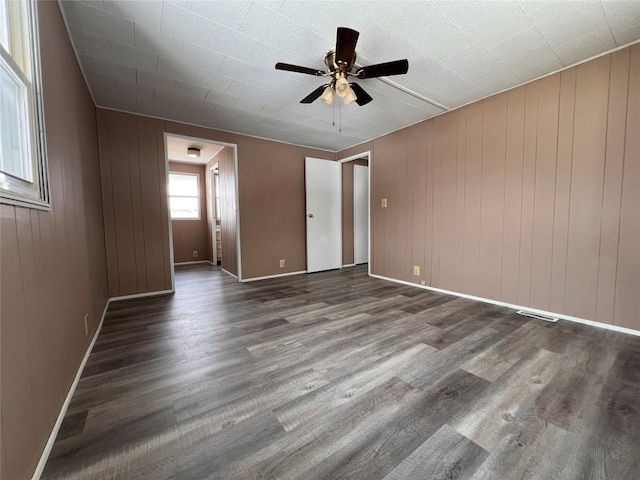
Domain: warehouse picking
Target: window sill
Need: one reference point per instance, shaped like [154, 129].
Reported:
[8, 198]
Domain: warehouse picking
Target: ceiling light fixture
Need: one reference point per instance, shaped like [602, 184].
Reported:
[193, 152]
[328, 95]
[342, 85]
[350, 96]
[340, 65]
[342, 89]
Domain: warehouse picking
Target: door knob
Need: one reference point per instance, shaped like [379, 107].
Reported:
[310, 215]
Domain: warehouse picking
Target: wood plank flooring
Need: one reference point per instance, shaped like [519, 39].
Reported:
[339, 375]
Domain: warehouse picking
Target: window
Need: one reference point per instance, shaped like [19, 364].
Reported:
[23, 173]
[184, 196]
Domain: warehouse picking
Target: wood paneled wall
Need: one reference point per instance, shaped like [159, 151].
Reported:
[134, 190]
[272, 206]
[529, 197]
[271, 184]
[347, 209]
[52, 263]
[190, 235]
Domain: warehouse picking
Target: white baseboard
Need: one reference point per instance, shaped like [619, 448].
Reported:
[615, 328]
[253, 279]
[228, 272]
[140, 295]
[196, 263]
[63, 411]
[349, 265]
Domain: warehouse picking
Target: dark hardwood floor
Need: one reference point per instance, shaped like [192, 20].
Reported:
[339, 375]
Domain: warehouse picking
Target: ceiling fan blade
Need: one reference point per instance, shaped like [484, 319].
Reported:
[397, 67]
[363, 97]
[313, 96]
[298, 69]
[346, 45]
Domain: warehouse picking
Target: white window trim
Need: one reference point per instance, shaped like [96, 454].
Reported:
[193, 219]
[40, 199]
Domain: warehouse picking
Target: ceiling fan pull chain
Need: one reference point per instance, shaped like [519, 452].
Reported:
[333, 114]
[340, 117]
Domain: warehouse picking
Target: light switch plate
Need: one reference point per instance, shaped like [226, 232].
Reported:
[384, 203]
[416, 270]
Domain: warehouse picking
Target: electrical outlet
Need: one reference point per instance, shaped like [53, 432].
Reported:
[423, 282]
[282, 263]
[86, 324]
[384, 203]
[416, 270]
[195, 254]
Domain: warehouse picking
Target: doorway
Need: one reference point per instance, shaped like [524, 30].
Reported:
[337, 208]
[356, 209]
[203, 198]
[360, 214]
[215, 232]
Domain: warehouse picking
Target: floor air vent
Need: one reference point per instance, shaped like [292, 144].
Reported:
[539, 316]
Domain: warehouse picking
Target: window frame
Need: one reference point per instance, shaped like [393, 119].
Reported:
[15, 190]
[197, 196]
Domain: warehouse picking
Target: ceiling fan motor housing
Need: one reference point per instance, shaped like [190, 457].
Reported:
[332, 65]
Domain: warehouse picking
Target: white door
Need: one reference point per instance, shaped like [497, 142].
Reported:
[323, 182]
[360, 214]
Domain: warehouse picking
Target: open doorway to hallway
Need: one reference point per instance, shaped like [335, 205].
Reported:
[202, 191]
[355, 209]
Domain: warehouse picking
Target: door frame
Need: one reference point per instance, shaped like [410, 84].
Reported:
[214, 242]
[357, 168]
[369, 156]
[233, 146]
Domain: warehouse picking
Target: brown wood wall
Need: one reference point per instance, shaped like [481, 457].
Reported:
[190, 235]
[271, 178]
[134, 190]
[529, 197]
[52, 264]
[272, 206]
[347, 209]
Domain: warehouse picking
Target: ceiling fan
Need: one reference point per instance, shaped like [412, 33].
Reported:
[340, 66]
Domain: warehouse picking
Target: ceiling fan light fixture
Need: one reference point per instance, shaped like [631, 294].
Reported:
[328, 95]
[193, 152]
[342, 85]
[350, 96]
[341, 64]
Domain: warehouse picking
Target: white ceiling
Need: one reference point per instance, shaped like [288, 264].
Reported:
[212, 62]
[177, 150]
